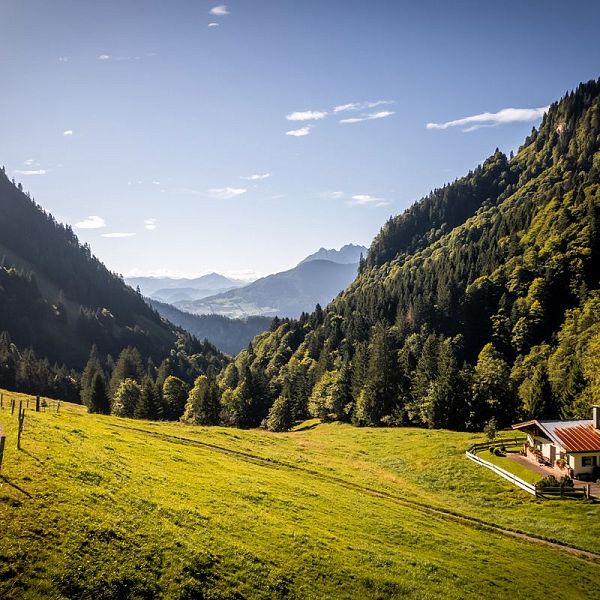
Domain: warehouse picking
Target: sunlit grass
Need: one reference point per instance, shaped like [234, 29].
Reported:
[101, 507]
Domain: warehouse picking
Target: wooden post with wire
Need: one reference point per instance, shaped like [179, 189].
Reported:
[2, 442]
[2, 401]
[37, 404]
[12, 407]
[57, 406]
[20, 430]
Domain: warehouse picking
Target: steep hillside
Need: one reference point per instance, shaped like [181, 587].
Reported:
[346, 255]
[228, 335]
[479, 302]
[286, 294]
[59, 300]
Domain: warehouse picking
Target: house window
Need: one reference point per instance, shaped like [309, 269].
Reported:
[589, 461]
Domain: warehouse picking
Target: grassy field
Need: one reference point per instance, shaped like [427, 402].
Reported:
[100, 507]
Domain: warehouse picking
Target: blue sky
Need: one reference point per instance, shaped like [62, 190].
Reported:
[165, 138]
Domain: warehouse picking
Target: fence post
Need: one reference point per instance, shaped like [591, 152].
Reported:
[2, 441]
[27, 402]
[1, 400]
[37, 404]
[57, 406]
[12, 407]
[20, 430]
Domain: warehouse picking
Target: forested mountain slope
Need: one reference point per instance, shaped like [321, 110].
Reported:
[480, 302]
[228, 335]
[59, 299]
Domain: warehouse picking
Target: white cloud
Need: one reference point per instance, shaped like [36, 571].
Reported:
[257, 177]
[368, 200]
[213, 24]
[299, 132]
[487, 119]
[331, 195]
[226, 193]
[360, 105]
[31, 172]
[29, 162]
[306, 115]
[118, 234]
[68, 132]
[63, 59]
[150, 224]
[219, 11]
[104, 57]
[91, 222]
[369, 117]
[156, 183]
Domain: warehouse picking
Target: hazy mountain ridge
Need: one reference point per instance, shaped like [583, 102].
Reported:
[348, 254]
[285, 294]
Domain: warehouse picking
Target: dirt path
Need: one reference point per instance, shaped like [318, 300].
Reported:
[444, 513]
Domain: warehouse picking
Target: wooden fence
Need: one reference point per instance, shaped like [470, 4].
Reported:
[530, 488]
[527, 487]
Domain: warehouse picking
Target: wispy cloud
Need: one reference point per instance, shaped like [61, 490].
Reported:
[487, 119]
[31, 172]
[257, 177]
[91, 222]
[118, 234]
[219, 11]
[331, 195]
[226, 193]
[353, 106]
[63, 59]
[299, 132]
[369, 117]
[68, 132]
[213, 24]
[150, 224]
[29, 162]
[306, 115]
[368, 200]
[104, 57]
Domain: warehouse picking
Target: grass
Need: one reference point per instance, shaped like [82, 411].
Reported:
[100, 507]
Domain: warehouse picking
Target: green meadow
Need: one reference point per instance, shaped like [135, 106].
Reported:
[101, 507]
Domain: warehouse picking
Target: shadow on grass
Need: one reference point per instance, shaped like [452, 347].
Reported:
[14, 485]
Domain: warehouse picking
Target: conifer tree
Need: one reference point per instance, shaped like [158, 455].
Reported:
[203, 403]
[97, 399]
[280, 415]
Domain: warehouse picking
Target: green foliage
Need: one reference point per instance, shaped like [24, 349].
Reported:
[126, 398]
[203, 403]
[98, 401]
[280, 415]
[478, 302]
[175, 394]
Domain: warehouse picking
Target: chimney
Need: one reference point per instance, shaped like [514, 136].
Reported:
[596, 416]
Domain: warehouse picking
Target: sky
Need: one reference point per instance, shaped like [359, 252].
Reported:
[184, 137]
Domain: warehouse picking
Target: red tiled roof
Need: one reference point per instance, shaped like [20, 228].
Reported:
[579, 438]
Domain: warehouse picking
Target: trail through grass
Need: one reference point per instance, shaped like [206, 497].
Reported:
[104, 507]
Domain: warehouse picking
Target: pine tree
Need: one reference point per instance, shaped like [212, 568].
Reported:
[97, 399]
[92, 367]
[128, 366]
[175, 393]
[148, 402]
[203, 403]
[280, 415]
[126, 398]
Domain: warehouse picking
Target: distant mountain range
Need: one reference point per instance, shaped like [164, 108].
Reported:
[285, 294]
[346, 255]
[173, 289]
